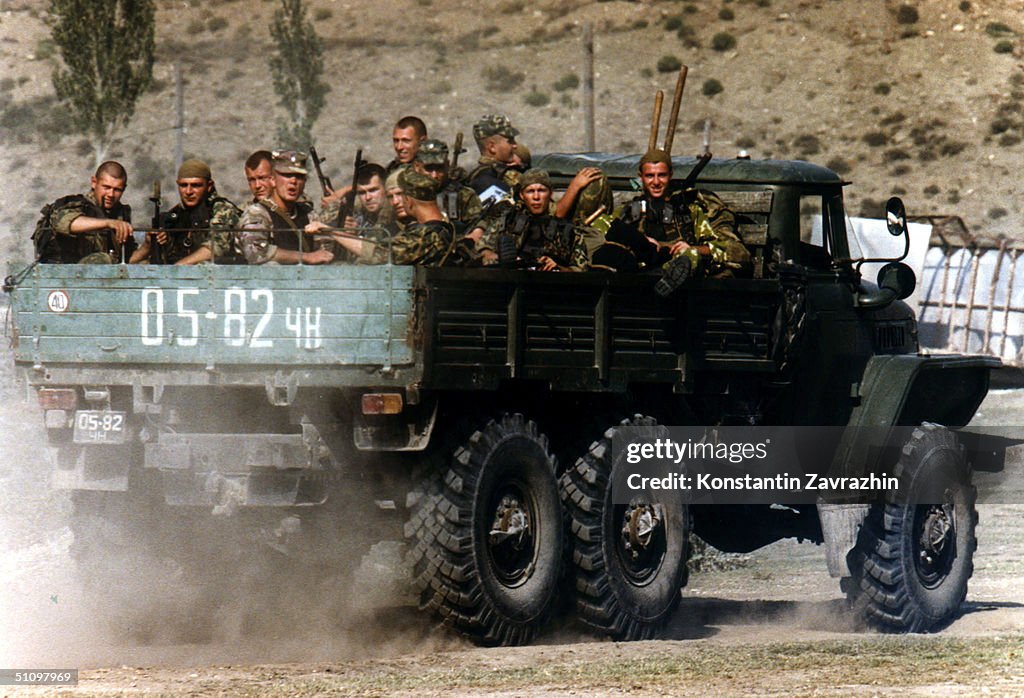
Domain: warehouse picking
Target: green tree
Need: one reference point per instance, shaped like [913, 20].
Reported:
[106, 49]
[297, 66]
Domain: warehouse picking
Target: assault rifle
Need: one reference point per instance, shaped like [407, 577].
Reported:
[156, 250]
[325, 182]
[350, 198]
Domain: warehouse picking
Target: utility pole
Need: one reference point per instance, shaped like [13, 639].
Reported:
[179, 116]
[588, 87]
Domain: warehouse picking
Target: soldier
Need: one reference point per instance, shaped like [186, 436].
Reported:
[496, 138]
[259, 174]
[272, 228]
[528, 235]
[689, 232]
[90, 228]
[406, 137]
[373, 216]
[393, 191]
[459, 204]
[199, 228]
[429, 240]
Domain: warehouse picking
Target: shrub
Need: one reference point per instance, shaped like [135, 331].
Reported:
[875, 138]
[710, 88]
[965, 6]
[1008, 139]
[998, 29]
[807, 144]
[839, 166]
[442, 88]
[894, 118]
[1003, 46]
[365, 123]
[669, 64]
[501, 78]
[894, 154]
[536, 98]
[7, 84]
[931, 190]
[673, 22]
[997, 212]
[46, 48]
[216, 24]
[639, 24]
[763, 3]
[569, 81]
[513, 7]
[322, 13]
[745, 142]
[953, 197]
[723, 41]
[646, 73]
[690, 9]
[907, 14]
[726, 14]
[196, 26]
[999, 125]
[882, 88]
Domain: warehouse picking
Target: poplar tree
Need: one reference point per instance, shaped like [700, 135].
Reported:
[106, 48]
[297, 66]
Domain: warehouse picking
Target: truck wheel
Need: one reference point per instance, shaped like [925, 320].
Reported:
[629, 559]
[912, 559]
[486, 543]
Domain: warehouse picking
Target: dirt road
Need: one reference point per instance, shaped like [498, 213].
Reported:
[772, 623]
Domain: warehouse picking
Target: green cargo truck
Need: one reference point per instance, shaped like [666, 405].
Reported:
[472, 412]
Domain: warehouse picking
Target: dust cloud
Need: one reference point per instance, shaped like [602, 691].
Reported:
[78, 591]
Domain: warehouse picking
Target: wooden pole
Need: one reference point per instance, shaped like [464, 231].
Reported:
[652, 142]
[588, 88]
[673, 117]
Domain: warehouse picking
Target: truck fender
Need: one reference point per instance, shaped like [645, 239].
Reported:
[898, 390]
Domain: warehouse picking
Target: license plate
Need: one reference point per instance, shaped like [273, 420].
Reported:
[99, 427]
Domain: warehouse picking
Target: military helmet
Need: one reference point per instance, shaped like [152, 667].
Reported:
[417, 186]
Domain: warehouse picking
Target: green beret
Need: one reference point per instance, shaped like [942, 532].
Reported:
[494, 125]
[417, 186]
[656, 155]
[535, 177]
[433, 152]
[194, 168]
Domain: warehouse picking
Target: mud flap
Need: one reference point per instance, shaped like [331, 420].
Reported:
[840, 524]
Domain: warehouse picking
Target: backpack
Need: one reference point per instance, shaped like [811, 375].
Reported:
[44, 238]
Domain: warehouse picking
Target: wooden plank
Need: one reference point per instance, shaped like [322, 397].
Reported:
[747, 201]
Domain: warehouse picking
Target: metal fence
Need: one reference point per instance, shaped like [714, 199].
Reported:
[971, 297]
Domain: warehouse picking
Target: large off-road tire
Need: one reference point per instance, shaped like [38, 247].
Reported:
[629, 560]
[914, 556]
[486, 539]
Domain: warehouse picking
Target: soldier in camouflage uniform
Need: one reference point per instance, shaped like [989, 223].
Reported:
[91, 228]
[496, 138]
[429, 240]
[459, 204]
[689, 232]
[409, 132]
[273, 227]
[373, 218]
[393, 192]
[528, 235]
[199, 228]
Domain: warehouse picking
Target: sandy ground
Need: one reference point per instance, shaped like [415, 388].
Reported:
[774, 624]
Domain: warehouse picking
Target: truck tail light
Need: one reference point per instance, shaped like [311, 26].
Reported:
[382, 403]
[58, 398]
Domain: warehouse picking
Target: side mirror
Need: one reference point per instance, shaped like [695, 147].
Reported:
[898, 278]
[896, 216]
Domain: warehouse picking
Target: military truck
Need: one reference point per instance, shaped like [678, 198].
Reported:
[472, 413]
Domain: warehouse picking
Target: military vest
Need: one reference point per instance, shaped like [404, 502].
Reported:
[287, 230]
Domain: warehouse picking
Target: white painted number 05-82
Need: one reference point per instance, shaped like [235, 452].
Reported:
[240, 308]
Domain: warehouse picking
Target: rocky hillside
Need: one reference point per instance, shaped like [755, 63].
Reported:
[922, 98]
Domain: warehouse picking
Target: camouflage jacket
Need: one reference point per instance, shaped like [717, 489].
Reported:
[430, 244]
[460, 205]
[76, 246]
[699, 217]
[488, 180]
[537, 236]
[209, 224]
[265, 227]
